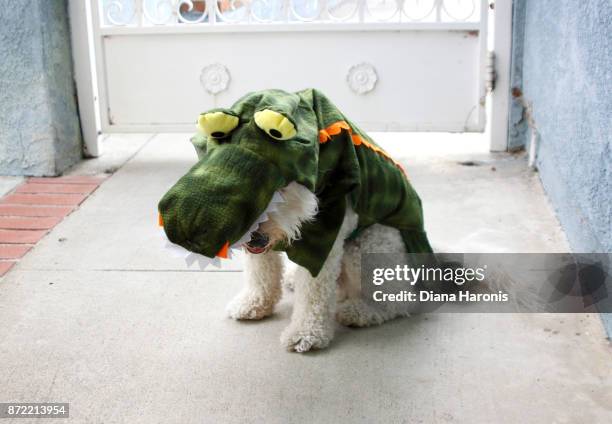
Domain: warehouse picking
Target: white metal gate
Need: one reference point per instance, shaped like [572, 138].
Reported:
[389, 64]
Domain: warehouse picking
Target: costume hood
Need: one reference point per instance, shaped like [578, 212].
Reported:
[267, 140]
[248, 152]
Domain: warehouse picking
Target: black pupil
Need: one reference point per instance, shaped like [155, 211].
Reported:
[218, 134]
[275, 133]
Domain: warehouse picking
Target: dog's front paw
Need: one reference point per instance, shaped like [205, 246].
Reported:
[249, 305]
[308, 338]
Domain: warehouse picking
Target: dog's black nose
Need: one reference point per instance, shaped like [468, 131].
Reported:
[258, 239]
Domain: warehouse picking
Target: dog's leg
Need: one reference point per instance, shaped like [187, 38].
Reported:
[312, 321]
[262, 289]
[288, 281]
[312, 324]
[353, 310]
[349, 282]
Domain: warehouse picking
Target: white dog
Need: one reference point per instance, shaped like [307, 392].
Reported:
[301, 145]
[336, 291]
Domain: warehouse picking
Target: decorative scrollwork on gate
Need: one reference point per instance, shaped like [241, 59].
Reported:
[305, 11]
[232, 11]
[459, 10]
[342, 10]
[255, 12]
[158, 12]
[190, 12]
[383, 10]
[419, 10]
[118, 12]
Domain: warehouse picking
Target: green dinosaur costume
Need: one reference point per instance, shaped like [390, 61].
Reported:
[269, 139]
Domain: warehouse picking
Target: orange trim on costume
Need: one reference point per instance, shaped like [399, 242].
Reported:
[224, 250]
[337, 127]
[333, 129]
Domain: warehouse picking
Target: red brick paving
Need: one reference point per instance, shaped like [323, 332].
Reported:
[21, 236]
[28, 222]
[13, 251]
[5, 266]
[71, 179]
[22, 210]
[43, 199]
[56, 188]
[34, 208]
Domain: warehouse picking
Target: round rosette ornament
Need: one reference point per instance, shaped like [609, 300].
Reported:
[215, 78]
[362, 78]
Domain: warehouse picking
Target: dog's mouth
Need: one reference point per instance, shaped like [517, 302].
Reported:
[259, 243]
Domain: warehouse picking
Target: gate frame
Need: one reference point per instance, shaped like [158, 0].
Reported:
[88, 60]
[498, 103]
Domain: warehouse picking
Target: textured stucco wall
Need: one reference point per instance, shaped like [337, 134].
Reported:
[562, 65]
[39, 126]
[566, 73]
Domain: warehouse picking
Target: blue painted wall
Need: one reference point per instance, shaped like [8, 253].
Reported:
[562, 64]
[39, 127]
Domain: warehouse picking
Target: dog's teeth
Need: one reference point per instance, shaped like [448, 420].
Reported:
[190, 259]
[203, 262]
[277, 198]
[262, 218]
[246, 237]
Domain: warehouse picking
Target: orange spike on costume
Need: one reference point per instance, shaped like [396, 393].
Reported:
[323, 136]
[160, 220]
[224, 250]
[335, 129]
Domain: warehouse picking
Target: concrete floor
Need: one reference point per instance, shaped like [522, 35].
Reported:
[99, 315]
[7, 184]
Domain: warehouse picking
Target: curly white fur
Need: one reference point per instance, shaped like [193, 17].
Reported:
[352, 310]
[263, 288]
[336, 291]
[264, 271]
[300, 206]
[312, 321]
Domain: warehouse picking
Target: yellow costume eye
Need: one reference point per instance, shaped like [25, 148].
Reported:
[275, 124]
[217, 124]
